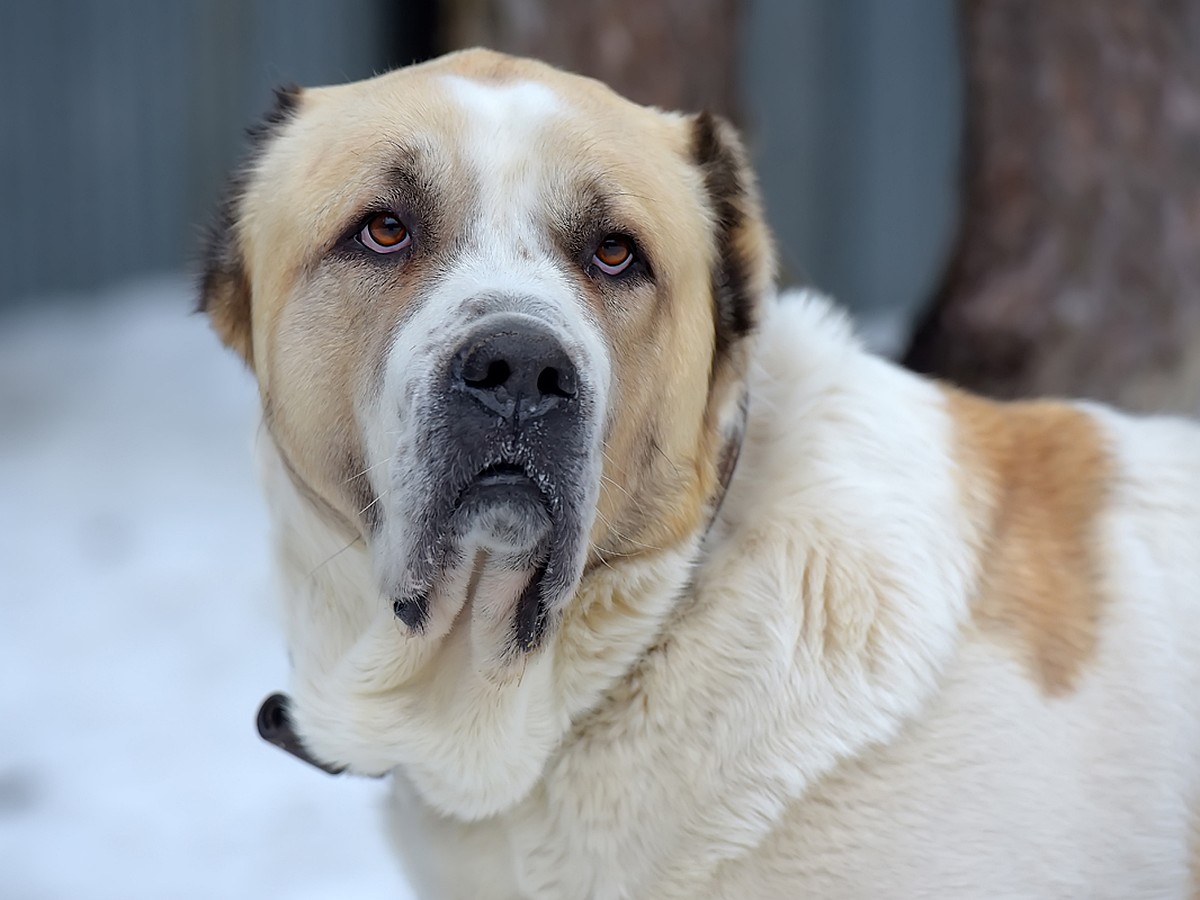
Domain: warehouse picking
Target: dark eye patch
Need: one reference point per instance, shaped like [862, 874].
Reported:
[581, 230]
[410, 197]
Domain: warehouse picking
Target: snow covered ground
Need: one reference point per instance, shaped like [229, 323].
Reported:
[136, 627]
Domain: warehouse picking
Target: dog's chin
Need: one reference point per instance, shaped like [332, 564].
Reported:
[504, 513]
[501, 532]
[504, 546]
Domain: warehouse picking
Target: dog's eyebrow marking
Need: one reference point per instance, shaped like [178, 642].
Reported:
[406, 175]
[417, 192]
[1034, 476]
[582, 217]
[403, 186]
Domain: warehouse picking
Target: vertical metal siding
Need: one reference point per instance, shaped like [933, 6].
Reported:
[855, 120]
[118, 120]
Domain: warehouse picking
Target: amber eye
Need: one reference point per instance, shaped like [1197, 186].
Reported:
[614, 255]
[384, 233]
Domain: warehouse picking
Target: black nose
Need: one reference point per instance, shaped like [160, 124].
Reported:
[516, 369]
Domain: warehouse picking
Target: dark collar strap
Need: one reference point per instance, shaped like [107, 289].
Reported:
[730, 455]
[275, 727]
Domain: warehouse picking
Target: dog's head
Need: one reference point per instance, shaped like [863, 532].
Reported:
[498, 318]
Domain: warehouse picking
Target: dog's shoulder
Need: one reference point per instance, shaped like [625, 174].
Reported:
[1032, 512]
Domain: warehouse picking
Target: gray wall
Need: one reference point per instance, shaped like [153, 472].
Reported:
[855, 124]
[119, 119]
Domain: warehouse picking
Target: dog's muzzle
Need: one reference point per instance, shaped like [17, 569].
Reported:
[508, 450]
[512, 391]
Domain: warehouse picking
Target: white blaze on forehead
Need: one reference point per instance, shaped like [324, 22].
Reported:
[504, 123]
[504, 112]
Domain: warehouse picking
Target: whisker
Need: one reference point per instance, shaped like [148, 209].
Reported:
[367, 469]
[372, 503]
[625, 538]
[615, 554]
[608, 459]
[663, 454]
[637, 504]
[333, 556]
[620, 487]
[603, 561]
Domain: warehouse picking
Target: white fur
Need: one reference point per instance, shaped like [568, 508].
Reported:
[824, 719]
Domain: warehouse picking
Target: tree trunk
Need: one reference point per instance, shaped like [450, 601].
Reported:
[676, 54]
[1077, 270]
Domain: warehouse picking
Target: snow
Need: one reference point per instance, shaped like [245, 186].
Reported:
[137, 631]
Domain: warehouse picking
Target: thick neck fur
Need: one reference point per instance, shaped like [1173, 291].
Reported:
[832, 643]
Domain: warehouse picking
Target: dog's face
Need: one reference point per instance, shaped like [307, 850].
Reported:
[497, 317]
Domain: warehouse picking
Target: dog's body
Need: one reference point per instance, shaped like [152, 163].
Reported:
[777, 618]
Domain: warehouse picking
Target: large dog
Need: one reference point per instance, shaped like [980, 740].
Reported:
[642, 582]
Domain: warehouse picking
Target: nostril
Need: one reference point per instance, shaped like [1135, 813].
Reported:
[553, 382]
[497, 373]
[515, 370]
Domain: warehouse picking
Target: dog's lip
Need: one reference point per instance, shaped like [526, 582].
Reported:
[502, 474]
[503, 480]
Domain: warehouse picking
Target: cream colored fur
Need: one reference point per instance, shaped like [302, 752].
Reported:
[804, 705]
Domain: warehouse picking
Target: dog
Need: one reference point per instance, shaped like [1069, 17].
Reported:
[642, 580]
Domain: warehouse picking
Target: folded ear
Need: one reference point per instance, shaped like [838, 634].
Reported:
[744, 265]
[224, 283]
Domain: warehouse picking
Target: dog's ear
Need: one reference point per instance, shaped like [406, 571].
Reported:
[224, 284]
[744, 266]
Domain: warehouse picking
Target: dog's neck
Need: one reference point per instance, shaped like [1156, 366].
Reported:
[372, 694]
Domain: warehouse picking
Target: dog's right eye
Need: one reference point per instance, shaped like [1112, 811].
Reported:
[614, 255]
[384, 233]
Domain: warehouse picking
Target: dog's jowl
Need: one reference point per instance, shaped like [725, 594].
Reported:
[639, 581]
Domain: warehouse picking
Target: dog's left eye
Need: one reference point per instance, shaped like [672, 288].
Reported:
[614, 255]
[384, 233]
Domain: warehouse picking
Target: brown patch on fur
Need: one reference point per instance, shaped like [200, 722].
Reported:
[1035, 478]
[744, 261]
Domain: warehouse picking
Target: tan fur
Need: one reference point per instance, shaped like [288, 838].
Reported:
[1035, 475]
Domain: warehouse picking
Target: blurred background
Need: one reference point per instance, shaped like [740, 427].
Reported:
[1004, 192]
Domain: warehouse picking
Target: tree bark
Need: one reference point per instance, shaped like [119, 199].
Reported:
[675, 54]
[1077, 270]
